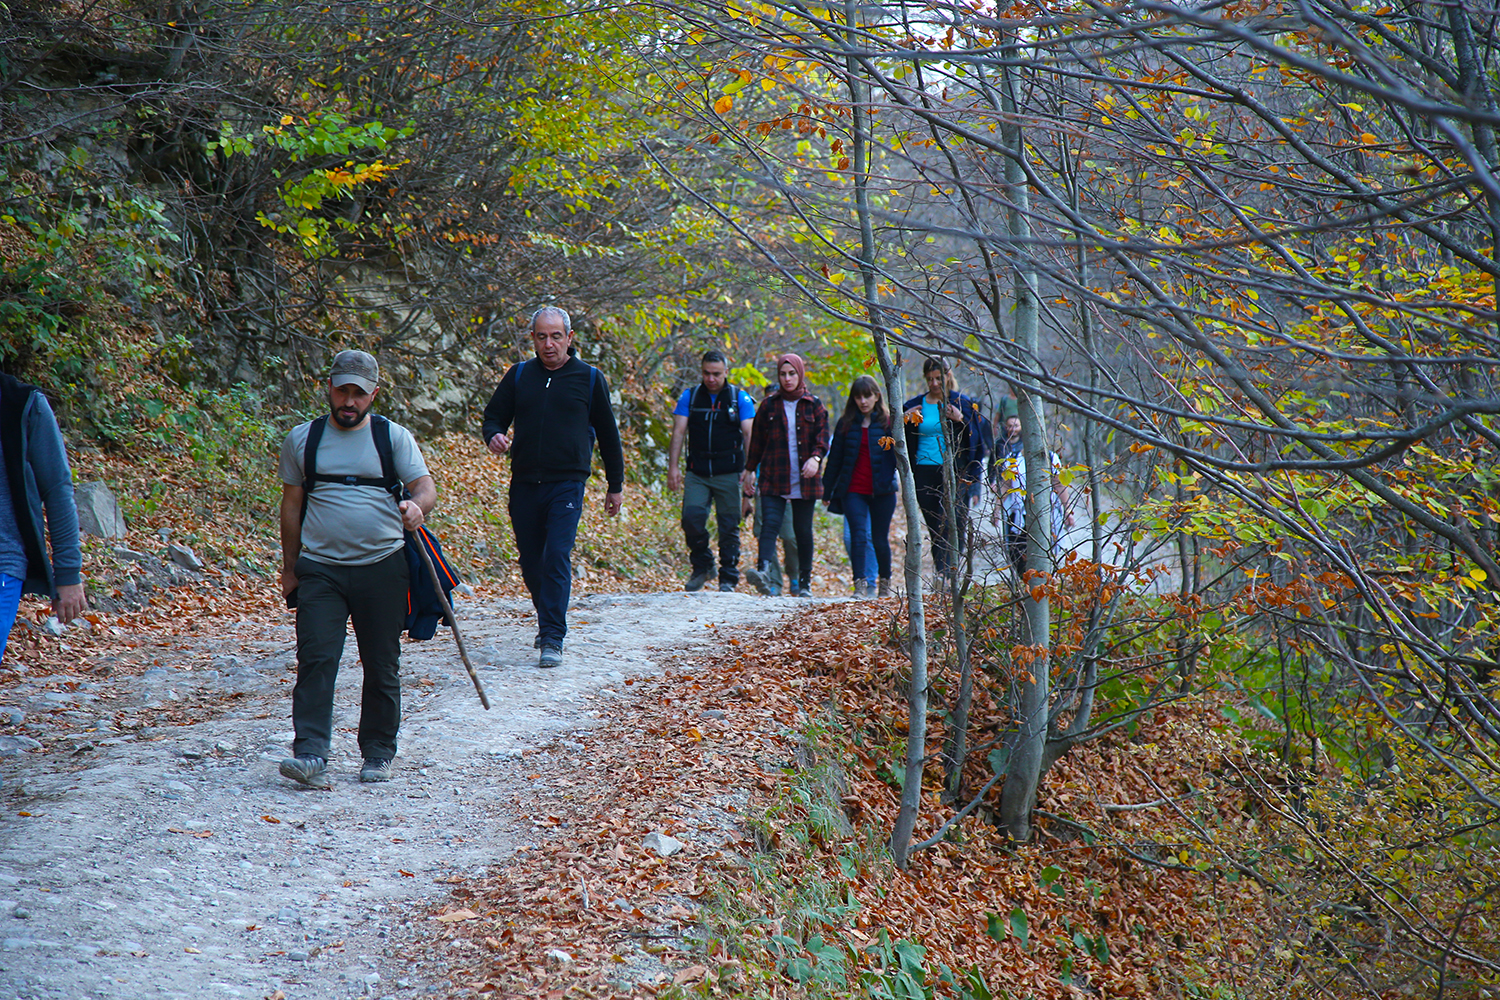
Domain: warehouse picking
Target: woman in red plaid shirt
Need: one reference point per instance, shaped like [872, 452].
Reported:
[776, 453]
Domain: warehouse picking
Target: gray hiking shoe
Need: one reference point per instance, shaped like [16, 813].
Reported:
[726, 588]
[307, 770]
[375, 769]
[760, 581]
[551, 656]
[697, 580]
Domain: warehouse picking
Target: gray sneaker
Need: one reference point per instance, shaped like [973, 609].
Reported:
[375, 769]
[760, 580]
[551, 656]
[697, 580]
[726, 588]
[307, 770]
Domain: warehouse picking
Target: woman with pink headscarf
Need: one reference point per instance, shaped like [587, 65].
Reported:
[789, 462]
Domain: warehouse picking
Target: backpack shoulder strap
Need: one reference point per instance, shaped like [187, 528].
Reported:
[310, 459]
[380, 429]
[593, 379]
[310, 452]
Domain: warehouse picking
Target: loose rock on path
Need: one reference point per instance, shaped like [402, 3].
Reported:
[174, 861]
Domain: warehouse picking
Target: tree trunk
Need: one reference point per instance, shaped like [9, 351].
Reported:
[1024, 769]
[890, 370]
[955, 747]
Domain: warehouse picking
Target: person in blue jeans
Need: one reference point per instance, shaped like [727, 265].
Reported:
[554, 401]
[859, 479]
[36, 504]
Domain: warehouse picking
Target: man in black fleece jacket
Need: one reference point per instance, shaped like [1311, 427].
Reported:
[553, 401]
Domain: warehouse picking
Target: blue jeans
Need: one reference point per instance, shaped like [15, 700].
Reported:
[868, 574]
[868, 520]
[10, 603]
[545, 517]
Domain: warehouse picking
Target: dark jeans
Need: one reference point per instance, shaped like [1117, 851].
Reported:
[788, 546]
[929, 481]
[772, 512]
[1015, 547]
[328, 596]
[723, 493]
[545, 517]
[869, 520]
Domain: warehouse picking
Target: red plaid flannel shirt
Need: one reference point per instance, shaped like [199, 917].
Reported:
[768, 446]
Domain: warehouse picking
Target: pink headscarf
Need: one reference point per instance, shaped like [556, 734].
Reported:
[795, 360]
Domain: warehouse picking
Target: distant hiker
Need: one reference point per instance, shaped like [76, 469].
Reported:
[941, 420]
[1009, 446]
[558, 405]
[859, 479]
[343, 557]
[787, 443]
[715, 418]
[1010, 502]
[36, 479]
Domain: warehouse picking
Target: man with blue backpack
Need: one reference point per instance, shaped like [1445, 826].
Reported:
[559, 406]
[715, 419]
[343, 557]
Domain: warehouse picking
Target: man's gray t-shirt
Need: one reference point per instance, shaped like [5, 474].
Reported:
[350, 525]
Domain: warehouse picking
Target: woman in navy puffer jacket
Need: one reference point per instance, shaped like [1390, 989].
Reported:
[859, 479]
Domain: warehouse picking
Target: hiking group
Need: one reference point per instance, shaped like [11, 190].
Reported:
[356, 492]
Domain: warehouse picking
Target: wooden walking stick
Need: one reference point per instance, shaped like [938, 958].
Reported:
[453, 623]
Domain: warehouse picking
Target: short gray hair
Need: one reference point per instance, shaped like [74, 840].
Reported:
[557, 311]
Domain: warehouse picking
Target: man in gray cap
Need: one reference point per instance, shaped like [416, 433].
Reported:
[342, 557]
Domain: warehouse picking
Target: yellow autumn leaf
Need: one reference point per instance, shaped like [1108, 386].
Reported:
[723, 104]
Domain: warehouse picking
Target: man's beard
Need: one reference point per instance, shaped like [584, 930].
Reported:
[354, 421]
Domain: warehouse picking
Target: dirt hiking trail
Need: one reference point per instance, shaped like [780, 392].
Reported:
[139, 861]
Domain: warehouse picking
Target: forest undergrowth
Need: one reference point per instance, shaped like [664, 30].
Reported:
[786, 733]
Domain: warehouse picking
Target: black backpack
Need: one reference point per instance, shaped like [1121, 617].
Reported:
[424, 611]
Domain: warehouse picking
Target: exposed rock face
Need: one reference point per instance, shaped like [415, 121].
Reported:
[98, 511]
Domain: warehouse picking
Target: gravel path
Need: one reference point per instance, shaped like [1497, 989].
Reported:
[175, 862]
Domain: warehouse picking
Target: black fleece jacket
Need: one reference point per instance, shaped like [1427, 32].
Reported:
[552, 413]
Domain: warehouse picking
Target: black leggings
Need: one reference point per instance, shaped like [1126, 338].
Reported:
[772, 510]
[930, 497]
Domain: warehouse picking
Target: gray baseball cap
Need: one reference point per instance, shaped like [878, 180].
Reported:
[355, 368]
